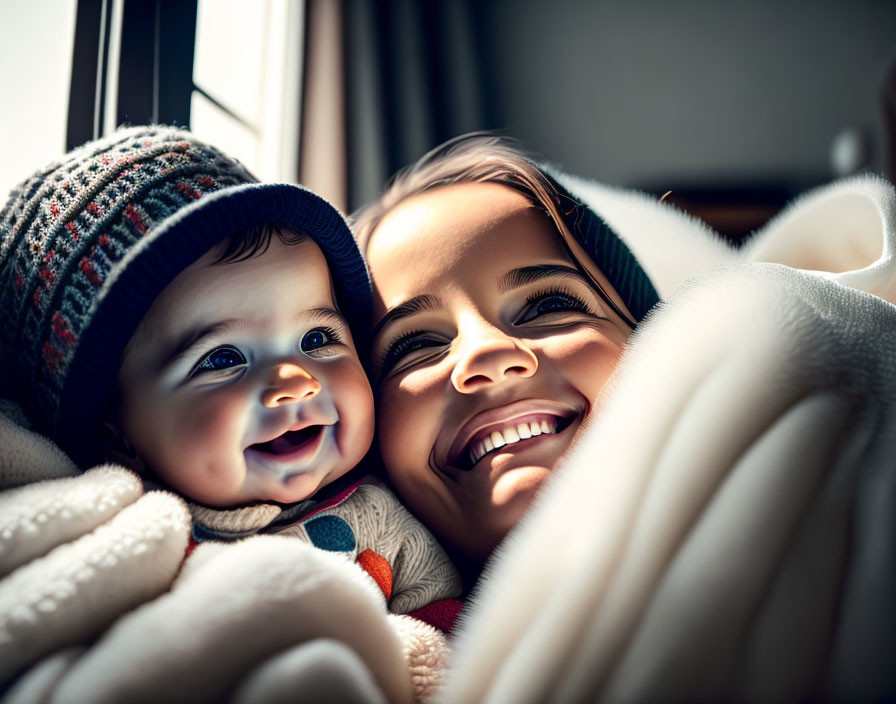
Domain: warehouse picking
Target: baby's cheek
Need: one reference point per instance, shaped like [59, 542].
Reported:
[399, 434]
[215, 420]
[210, 446]
[210, 429]
[354, 401]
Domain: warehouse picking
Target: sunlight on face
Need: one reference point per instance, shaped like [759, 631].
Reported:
[490, 348]
[243, 383]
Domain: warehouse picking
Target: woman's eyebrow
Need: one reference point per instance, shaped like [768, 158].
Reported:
[529, 274]
[410, 307]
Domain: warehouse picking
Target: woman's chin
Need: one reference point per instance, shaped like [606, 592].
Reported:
[512, 495]
[514, 491]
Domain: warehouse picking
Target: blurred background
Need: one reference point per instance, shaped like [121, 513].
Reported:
[733, 107]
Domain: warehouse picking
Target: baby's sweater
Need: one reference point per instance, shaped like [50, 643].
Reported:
[364, 521]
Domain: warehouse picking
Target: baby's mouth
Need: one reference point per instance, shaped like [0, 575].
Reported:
[291, 441]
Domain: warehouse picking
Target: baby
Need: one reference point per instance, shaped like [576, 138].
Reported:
[163, 309]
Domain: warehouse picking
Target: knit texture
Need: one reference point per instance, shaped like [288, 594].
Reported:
[365, 523]
[608, 251]
[88, 243]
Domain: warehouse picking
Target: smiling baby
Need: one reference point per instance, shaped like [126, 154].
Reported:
[165, 310]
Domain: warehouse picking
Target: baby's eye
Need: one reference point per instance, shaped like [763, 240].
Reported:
[317, 338]
[550, 302]
[405, 346]
[221, 358]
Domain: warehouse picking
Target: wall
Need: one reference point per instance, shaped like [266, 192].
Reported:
[682, 91]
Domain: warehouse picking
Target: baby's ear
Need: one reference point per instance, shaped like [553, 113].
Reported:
[118, 449]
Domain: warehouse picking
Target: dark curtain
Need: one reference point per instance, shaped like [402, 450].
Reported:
[414, 77]
[155, 72]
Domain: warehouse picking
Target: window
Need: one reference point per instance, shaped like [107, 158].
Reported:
[76, 69]
[247, 82]
[36, 56]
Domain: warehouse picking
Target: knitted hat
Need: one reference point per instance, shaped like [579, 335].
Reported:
[608, 251]
[87, 244]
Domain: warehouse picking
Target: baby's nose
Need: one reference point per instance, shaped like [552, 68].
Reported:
[289, 383]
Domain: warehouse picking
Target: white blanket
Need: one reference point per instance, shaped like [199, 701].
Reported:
[724, 530]
[98, 605]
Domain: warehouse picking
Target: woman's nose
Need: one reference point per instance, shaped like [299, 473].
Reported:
[289, 383]
[491, 357]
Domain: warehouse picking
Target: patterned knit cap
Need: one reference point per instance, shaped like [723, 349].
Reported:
[88, 243]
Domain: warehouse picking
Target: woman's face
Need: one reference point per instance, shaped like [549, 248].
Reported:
[490, 348]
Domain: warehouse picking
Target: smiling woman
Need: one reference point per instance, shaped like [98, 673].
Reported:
[708, 493]
[492, 350]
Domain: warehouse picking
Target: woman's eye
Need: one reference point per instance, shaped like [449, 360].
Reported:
[317, 338]
[405, 346]
[552, 302]
[221, 358]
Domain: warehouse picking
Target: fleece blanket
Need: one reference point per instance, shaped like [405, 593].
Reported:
[723, 529]
[726, 528]
[99, 604]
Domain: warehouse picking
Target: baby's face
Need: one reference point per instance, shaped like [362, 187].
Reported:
[242, 382]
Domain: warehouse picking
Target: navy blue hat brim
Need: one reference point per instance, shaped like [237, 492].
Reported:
[164, 252]
[608, 252]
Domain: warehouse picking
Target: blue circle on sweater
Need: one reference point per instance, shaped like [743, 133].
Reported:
[331, 533]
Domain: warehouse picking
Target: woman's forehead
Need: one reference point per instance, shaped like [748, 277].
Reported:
[456, 208]
[454, 230]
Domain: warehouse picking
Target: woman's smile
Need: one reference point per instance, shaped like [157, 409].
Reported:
[488, 352]
[508, 427]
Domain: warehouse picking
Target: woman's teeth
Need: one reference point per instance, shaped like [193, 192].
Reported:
[510, 435]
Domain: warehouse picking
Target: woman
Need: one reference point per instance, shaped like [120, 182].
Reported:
[717, 533]
[491, 350]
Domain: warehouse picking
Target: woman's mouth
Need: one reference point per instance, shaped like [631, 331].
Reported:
[520, 423]
[519, 431]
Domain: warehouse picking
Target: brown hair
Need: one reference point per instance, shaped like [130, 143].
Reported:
[478, 157]
[255, 242]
